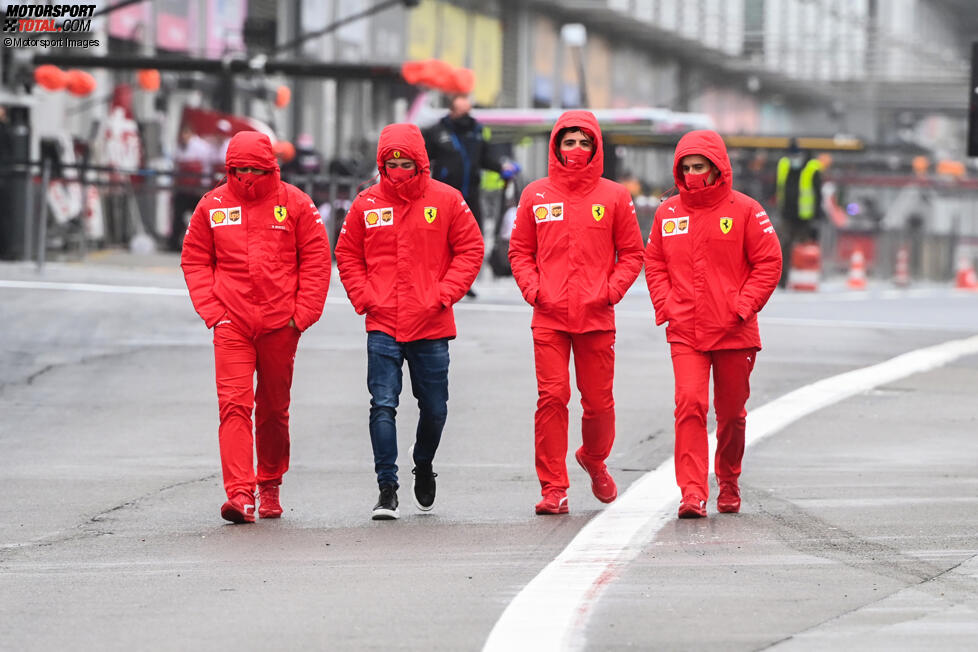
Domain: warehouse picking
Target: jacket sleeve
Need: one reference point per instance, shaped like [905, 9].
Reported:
[656, 271]
[350, 259]
[489, 158]
[628, 246]
[764, 258]
[523, 249]
[468, 252]
[430, 136]
[315, 264]
[198, 261]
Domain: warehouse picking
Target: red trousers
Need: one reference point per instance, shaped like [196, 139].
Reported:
[237, 357]
[594, 364]
[731, 387]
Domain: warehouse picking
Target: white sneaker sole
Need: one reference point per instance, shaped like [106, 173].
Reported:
[386, 514]
[414, 496]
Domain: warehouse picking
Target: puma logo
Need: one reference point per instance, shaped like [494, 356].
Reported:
[672, 208]
[371, 200]
[541, 195]
[217, 199]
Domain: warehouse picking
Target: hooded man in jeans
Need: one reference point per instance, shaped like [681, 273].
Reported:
[575, 250]
[408, 251]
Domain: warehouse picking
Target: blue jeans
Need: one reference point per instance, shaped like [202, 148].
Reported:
[428, 365]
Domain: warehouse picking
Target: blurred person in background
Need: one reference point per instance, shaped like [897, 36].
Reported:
[257, 263]
[408, 251]
[458, 148]
[193, 160]
[307, 159]
[575, 250]
[221, 141]
[711, 263]
[799, 193]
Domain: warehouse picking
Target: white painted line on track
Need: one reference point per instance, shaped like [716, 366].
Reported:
[551, 612]
[94, 287]
[148, 290]
[467, 306]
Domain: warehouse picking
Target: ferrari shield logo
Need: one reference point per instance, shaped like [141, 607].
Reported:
[597, 211]
[280, 214]
[725, 224]
[430, 213]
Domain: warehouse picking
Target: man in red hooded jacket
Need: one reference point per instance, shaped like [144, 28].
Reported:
[575, 250]
[711, 263]
[409, 249]
[257, 264]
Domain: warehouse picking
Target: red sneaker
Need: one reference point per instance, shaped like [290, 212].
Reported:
[728, 500]
[602, 484]
[555, 502]
[240, 508]
[268, 505]
[692, 507]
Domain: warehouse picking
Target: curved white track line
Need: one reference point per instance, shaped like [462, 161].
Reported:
[551, 612]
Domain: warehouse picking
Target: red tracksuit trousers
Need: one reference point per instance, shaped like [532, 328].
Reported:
[238, 356]
[594, 364]
[731, 388]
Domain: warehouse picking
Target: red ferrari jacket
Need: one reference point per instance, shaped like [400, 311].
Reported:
[713, 259]
[256, 248]
[408, 251]
[576, 247]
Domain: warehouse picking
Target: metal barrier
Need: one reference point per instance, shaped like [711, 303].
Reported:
[68, 209]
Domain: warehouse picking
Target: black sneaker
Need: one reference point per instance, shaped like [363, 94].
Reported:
[386, 507]
[423, 486]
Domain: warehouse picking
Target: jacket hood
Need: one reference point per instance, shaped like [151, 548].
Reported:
[709, 144]
[251, 149]
[403, 140]
[587, 178]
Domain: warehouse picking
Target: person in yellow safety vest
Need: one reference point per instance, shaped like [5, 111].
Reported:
[799, 192]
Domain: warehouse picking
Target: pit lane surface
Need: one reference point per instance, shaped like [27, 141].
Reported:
[857, 529]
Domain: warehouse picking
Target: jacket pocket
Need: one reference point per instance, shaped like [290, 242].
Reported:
[278, 243]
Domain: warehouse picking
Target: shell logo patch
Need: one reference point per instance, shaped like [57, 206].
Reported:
[234, 214]
[726, 224]
[281, 214]
[597, 211]
[430, 213]
[219, 217]
[675, 226]
[549, 212]
[378, 217]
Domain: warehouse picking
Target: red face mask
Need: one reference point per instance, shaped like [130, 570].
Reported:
[252, 186]
[576, 159]
[400, 175]
[694, 181]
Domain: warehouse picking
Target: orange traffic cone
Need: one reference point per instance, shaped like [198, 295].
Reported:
[857, 271]
[902, 275]
[966, 279]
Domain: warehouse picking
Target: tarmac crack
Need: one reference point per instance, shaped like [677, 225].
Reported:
[29, 380]
[90, 528]
[811, 535]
